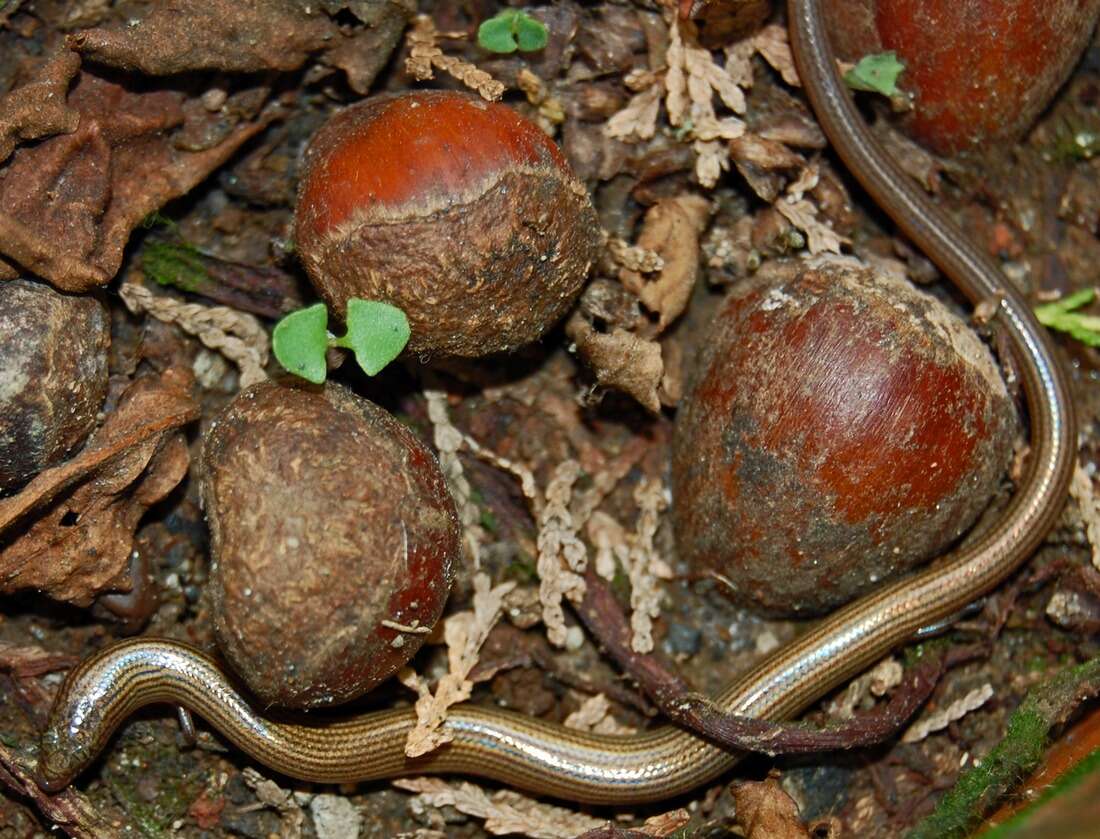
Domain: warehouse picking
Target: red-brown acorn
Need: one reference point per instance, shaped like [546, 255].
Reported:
[459, 211]
[334, 542]
[840, 428]
[978, 70]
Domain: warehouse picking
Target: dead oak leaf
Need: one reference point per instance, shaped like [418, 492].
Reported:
[69, 203]
[671, 230]
[38, 107]
[464, 633]
[620, 360]
[238, 36]
[765, 811]
[69, 532]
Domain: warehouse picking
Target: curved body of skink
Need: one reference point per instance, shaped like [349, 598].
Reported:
[553, 760]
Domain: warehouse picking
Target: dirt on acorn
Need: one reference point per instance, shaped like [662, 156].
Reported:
[328, 517]
[840, 428]
[53, 375]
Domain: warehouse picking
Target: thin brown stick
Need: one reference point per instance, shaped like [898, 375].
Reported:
[603, 616]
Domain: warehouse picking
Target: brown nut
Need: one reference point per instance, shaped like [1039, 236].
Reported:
[459, 211]
[53, 375]
[334, 541]
[840, 428]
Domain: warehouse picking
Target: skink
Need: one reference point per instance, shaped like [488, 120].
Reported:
[550, 759]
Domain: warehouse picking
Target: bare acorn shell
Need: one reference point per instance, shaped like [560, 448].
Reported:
[327, 517]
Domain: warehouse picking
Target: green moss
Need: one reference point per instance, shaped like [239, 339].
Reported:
[488, 520]
[174, 265]
[174, 793]
[522, 569]
[984, 785]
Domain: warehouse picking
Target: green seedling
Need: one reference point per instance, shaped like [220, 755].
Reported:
[510, 30]
[1062, 315]
[876, 73]
[377, 333]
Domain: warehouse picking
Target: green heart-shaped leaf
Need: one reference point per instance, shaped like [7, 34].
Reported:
[377, 333]
[531, 34]
[300, 341]
[497, 33]
[877, 73]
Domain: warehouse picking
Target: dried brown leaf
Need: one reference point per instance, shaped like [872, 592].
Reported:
[595, 715]
[38, 108]
[1083, 492]
[620, 360]
[236, 335]
[665, 823]
[270, 794]
[633, 257]
[562, 556]
[943, 717]
[448, 440]
[875, 682]
[464, 633]
[364, 54]
[240, 36]
[692, 79]
[425, 57]
[639, 117]
[820, 238]
[69, 203]
[671, 230]
[504, 812]
[767, 154]
[69, 532]
[611, 541]
[765, 811]
[644, 565]
[772, 43]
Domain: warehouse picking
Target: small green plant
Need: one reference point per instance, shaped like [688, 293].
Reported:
[1073, 142]
[510, 30]
[377, 332]
[1062, 315]
[876, 73]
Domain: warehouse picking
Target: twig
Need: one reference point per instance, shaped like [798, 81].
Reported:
[604, 618]
[259, 290]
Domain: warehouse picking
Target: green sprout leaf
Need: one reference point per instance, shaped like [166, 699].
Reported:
[877, 73]
[531, 34]
[377, 332]
[300, 341]
[1061, 315]
[510, 30]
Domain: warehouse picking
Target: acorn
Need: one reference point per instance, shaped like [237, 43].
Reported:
[458, 211]
[53, 376]
[334, 542]
[839, 428]
[978, 71]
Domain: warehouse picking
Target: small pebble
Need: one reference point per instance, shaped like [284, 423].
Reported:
[334, 817]
[682, 639]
